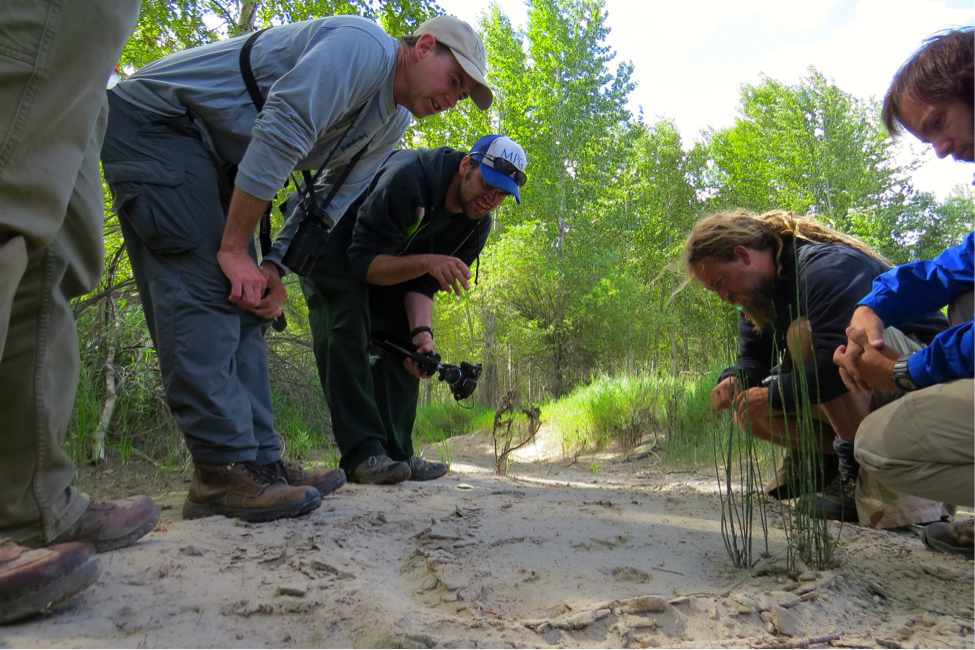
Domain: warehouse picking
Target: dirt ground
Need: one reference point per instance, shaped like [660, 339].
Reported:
[554, 555]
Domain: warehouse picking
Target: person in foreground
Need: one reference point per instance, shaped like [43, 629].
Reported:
[56, 59]
[924, 443]
[416, 230]
[797, 283]
[198, 143]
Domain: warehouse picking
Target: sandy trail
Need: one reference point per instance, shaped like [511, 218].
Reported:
[552, 556]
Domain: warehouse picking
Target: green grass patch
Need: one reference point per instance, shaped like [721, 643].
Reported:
[624, 411]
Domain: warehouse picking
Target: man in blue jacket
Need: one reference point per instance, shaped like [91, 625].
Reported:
[197, 145]
[417, 229]
[924, 443]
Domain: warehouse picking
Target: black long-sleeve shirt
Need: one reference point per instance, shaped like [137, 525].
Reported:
[402, 213]
[824, 283]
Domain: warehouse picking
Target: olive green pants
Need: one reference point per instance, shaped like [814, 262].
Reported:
[55, 58]
[373, 407]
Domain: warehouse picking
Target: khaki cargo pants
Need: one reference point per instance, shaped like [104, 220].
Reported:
[55, 58]
[923, 444]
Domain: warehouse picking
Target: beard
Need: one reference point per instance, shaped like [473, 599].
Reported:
[758, 306]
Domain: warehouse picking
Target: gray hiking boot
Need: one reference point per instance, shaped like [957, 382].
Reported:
[836, 502]
[425, 470]
[380, 470]
[957, 538]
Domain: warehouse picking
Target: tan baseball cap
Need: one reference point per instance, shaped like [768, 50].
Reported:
[468, 49]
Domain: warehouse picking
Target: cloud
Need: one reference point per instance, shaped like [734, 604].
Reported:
[863, 55]
[690, 58]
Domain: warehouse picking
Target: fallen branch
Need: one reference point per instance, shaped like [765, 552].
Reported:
[98, 453]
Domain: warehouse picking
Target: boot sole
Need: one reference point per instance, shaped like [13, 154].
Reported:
[936, 545]
[59, 590]
[389, 478]
[199, 510]
[817, 507]
[429, 477]
[332, 486]
[137, 533]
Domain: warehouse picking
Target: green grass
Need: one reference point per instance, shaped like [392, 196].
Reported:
[438, 423]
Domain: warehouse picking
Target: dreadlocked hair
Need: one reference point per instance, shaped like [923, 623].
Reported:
[717, 236]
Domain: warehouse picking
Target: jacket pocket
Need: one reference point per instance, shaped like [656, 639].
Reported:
[146, 196]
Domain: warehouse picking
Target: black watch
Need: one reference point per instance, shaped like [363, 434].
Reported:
[902, 375]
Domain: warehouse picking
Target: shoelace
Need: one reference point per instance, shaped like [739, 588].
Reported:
[267, 473]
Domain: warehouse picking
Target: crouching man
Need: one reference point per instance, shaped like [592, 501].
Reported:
[797, 283]
[416, 230]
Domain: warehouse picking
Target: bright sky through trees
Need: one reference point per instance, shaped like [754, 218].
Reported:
[691, 57]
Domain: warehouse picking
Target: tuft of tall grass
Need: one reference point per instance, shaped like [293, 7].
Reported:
[621, 410]
[439, 422]
[611, 410]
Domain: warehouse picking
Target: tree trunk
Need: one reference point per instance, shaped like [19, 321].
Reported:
[98, 453]
[488, 393]
[248, 12]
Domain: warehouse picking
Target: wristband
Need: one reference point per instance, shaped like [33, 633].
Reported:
[902, 374]
[417, 330]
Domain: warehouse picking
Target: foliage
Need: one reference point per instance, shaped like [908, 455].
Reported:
[578, 295]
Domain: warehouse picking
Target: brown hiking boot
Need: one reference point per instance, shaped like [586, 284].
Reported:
[246, 491]
[108, 525]
[325, 480]
[32, 580]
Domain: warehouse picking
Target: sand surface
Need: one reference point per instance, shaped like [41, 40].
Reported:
[553, 555]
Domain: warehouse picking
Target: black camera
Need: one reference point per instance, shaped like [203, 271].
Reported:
[306, 246]
[461, 380]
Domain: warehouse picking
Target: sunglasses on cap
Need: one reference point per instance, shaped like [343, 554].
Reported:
[506, 167]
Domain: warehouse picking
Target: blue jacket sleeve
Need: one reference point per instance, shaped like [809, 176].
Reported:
[902, 292]
[948, 357]
[907, 290]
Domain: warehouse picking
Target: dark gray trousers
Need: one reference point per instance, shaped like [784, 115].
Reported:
[172, 199]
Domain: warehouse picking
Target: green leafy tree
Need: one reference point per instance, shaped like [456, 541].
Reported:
[811, 148]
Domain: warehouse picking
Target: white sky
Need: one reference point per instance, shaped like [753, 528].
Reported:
[691, 57]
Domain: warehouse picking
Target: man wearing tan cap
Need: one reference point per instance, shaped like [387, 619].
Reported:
[198, 143]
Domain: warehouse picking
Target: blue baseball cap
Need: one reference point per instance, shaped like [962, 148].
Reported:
[497, 151]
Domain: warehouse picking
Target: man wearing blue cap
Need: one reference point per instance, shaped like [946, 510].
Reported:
[416, 230]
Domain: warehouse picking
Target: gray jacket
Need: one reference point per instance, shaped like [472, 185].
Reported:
[316, 75]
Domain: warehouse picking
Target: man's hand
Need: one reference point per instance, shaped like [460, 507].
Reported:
[874, 367]
[847, 357]
[752, 403]
[425, 345]
[450, 272]
[275, 295]
[867, 321]
[247, 283]
[723, 394]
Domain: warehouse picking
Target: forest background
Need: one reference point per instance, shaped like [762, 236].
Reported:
[580, 304]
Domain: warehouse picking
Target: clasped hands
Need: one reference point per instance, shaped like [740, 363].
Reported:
[258, 289]
[866, 362]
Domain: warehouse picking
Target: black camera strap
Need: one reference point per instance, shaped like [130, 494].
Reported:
[247, 72]
[255, 92]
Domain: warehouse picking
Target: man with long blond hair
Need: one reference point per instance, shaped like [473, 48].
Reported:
[797, 282]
